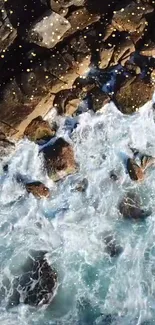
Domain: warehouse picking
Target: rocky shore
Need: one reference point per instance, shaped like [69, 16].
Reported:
[70, 56]
[58, 53]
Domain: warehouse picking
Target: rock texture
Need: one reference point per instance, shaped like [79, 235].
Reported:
[37, 283]
[59, 158]
[39, 129]
[131, 207]
[38, 189]
[56, 42]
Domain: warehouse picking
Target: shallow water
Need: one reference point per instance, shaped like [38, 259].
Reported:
[94, 288]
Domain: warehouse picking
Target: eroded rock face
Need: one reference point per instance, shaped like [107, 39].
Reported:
[39, 129]
[38, 189]
[59, 158]
[131, 207]
[37, 283]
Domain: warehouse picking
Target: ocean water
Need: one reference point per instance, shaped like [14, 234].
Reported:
[93, 287]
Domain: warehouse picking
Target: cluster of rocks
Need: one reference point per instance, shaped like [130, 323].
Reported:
[56, 42]
[59, 53]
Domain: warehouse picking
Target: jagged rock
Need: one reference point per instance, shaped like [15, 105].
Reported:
[39, 129]
[131, 18]
[147, 161]
[131, 207]
[68, 3]
[112, 247]
[135, 172]
[56, 7]
[80, 19]
[59, 158]
[49, 30]
[106, 55]
[36, 286]
[38, 189]
[123, 51]
[98, 99]
[133, 94]
[148, 50]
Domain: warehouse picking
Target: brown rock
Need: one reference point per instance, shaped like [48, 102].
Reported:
[131, 207]
[39, 129]
[134, 94]
[98, 98]
[56, 7]
[38, 189]
[80, 19]
[123, 51]
[131, 18]
[59, 158]
[147, 161]
[48, 31]
[68, 3]
[148, 50]
[106, 55]
[135, 172]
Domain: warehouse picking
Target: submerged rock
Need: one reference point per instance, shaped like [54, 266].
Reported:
[39, 129]
[112, 247]
[38, 189]
[37, 283]
[131, 207]
[59, 158]
[135, 172]
[82, 185]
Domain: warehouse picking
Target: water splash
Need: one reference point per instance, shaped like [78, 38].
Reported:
[94, 288]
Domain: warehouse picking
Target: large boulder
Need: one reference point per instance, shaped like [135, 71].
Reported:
[133, 94]
[38, 189]
[39, 129]
[135, 172]
[36, 285]
[49, 30]
[131, 207]
[59, 158]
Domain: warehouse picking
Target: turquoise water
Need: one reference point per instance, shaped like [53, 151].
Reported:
[94, 288]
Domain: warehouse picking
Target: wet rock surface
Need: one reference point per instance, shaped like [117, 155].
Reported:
[135, 171]
[37, 283]
[38, 189]
[131, 207]
[59, 158]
